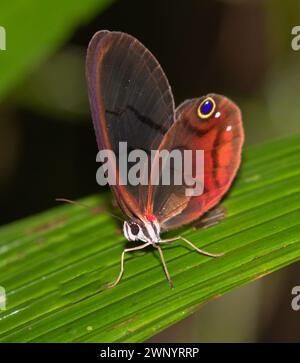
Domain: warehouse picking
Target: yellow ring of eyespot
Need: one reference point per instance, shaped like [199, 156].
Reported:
[200, 114]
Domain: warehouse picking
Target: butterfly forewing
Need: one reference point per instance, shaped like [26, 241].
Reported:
[131, 101]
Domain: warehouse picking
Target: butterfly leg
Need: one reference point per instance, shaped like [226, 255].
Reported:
[192, 245]
[211, 218]
[122, 262]
[164, 265]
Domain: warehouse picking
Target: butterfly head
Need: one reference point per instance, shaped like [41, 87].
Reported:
[142, 230]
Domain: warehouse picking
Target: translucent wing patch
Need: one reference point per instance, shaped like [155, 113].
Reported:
[221, 138]
[131, 101]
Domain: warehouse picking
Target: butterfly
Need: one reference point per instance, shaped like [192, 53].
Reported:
[131, 101]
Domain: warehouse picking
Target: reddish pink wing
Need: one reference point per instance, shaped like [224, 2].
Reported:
[221, 137]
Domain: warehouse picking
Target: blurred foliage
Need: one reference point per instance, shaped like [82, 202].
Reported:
[55, 266]
[62, 79]
[27, 42]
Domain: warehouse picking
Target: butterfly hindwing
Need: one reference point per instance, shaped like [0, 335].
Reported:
[221, 138]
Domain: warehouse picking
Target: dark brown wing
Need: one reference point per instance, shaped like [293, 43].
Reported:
[131, 101]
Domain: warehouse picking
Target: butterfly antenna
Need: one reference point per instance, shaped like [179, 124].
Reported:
[64, 200]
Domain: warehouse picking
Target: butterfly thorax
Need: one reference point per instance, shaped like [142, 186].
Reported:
[142, 230]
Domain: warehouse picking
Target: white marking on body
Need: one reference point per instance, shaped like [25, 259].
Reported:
[151, 232]
[148, 231]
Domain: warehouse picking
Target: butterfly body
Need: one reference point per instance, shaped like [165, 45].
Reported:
[145, 231]
[132, 102]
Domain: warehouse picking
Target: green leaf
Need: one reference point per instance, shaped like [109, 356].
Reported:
[54, 266]
[34, 29]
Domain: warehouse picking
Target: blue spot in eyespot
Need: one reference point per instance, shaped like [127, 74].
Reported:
[206, 107]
